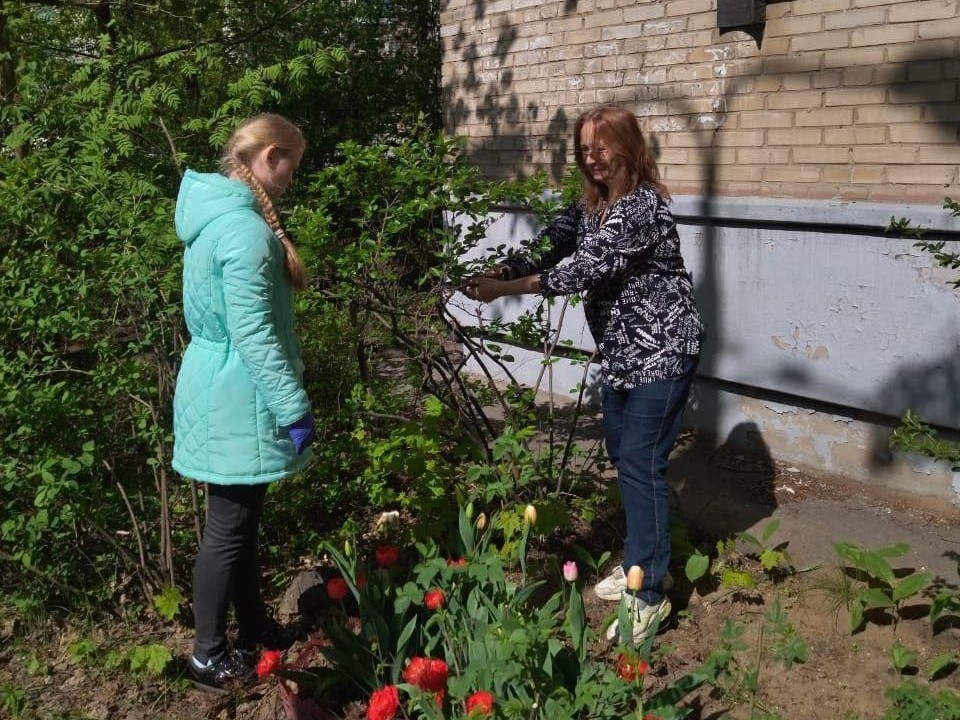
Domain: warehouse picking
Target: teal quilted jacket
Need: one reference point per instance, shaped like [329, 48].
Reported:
[240, 382]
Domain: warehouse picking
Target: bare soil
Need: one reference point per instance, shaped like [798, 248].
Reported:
[718, 493]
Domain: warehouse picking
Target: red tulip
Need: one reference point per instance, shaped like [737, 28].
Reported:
[630, 668]
[269, 661]
[386, 555]
[438, 674]
[384, 703]
[460, 562]
[434, 600]
[426, 673]
[417, 671]
[337, 588]
[480, 703]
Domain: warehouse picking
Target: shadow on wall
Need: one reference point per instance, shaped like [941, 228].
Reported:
[506, 124]
[928, 78]
[931, 389]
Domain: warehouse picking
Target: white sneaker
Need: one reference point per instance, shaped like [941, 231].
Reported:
[612, 586]
[646, 621]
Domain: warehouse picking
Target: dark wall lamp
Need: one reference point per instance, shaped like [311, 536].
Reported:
[747, 16]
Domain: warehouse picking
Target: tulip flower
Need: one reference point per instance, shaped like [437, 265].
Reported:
[481, 521]
[269, 662]
[570, 572]
[635, 578]
[384, 703]
[630, 668]
[386, 555]
[479, 704]
[434, 599]
[530, 515]
[337, 588]
[428, 674]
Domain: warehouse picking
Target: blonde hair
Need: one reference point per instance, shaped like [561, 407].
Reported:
[249, 139]
[631, 162]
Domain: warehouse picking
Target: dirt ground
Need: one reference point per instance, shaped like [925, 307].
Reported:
[718, 494]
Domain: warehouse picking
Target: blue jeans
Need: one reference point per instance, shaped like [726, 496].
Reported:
[640, 426]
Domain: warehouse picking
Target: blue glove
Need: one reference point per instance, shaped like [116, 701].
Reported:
[303, 432]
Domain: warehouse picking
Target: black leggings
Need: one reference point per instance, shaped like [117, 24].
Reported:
[227, 569]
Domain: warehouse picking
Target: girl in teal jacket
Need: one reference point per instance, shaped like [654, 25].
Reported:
[241, 415]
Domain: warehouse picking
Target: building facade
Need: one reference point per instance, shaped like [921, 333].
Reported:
[787, 158]
[846, 99]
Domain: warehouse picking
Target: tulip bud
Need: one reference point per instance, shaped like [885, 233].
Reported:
[530, 515]
[635, 578]
[481, 521]
[468, 511]
[347, 549]
[570, 571]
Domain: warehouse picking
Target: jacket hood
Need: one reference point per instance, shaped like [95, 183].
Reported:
[204, 197]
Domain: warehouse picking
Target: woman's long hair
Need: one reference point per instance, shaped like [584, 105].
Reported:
[630, 161]
[249, 139]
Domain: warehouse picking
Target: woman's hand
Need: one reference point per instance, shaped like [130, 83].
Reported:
[484, 288]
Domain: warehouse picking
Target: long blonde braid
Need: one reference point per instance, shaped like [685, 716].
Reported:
[247, 140]
[294, 267]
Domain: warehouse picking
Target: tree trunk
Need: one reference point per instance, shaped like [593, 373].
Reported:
[104, 26]
[8, 79]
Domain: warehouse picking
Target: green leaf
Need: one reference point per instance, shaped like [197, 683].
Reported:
[856, 615]
[911, 585]
[697, 566]
[944, 600]
[578, 622]
[874, 598]
[877, 567]
[895, 550]
[942, 662]
[770, 559]
[902, 657]
[770, 529]
[851, 553]
[168, 602]
[153, 658]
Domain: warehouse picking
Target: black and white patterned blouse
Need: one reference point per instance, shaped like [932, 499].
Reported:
[638, 297]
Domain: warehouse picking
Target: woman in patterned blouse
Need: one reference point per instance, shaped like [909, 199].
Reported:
[623, 255]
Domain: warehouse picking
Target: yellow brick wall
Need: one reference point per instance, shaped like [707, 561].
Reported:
[850, 99]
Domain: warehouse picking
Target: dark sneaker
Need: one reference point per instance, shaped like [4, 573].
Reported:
[231, 668]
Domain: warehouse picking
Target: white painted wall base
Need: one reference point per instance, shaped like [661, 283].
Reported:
[821, 332]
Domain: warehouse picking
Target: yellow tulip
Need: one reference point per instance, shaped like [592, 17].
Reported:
[530, 515]
[635, 578]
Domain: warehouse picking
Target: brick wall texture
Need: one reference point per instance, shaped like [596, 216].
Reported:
[848, 99]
